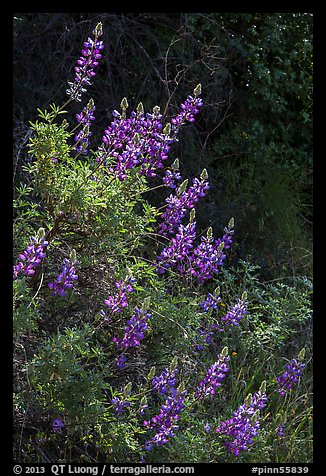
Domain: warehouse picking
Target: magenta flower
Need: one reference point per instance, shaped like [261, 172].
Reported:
[164, 424]
[65, 280]
[291, 375]
[88, 61]
[135, 329]
[214, 376]
[32, 256]
[244, 425]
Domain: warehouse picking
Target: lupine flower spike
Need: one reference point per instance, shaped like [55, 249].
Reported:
[84, 119]
[141, 140]
[245, 424]
[88, 61]
[214, 376]
[164, 424]
[165, 383]
[291, 375]
[236, 313]
[120, 300]
[134, 331]
[32, 256]
[65, 280]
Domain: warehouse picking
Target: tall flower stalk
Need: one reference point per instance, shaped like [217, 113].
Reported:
[65, 280]
[245, 423]
[291, 375]
[214, 376]
[86, 64]
[164, 423]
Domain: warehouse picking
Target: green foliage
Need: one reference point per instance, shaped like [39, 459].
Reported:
[25, 308]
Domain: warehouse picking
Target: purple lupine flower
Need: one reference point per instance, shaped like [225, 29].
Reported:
[170, 177]
[116, 303]
[32, 256]
[119, 300]
[65, 280]
[141, 140]
[206, 333]
[196, 191]
[291, 375]
[280, 430]
[85, 65]
[120, 361]
[188, 111]
[165, 382]
[244, 425]
[211, 301]
[164, 423]
[126, 285]
[207, 427]
[236, 313]
[183, 200]
[135, 141]
[214, 376]
[134, 331]
[119, 405]
[84, 118]
[57, 424]
[203, 336]
[174, 212]
[178, 248]
[209, 256]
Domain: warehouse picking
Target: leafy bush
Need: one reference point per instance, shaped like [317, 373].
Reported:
[137, 344]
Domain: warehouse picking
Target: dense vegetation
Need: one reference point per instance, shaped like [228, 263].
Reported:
[162, 237]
